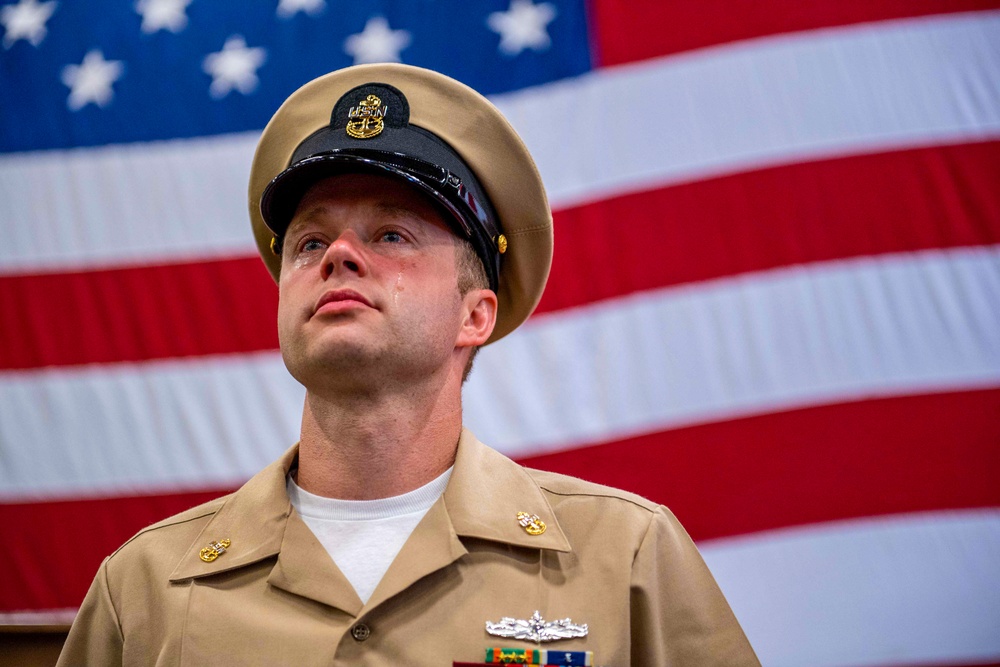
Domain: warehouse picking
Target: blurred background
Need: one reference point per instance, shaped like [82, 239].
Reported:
[774, 306]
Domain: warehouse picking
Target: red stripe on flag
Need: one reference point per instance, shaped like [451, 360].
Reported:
[654, 28]
[138, 313]
[835, 462]
[938, 197]
[887, 456]
[60, 544]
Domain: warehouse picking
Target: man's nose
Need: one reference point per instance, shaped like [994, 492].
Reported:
[345, 254]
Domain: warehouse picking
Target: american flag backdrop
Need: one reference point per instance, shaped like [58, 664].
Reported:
[774, 305]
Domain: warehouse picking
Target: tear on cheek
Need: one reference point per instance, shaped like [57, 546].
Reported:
[303, 260]
[397, 288]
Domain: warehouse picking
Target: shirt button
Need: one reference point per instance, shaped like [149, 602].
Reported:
[361, 632]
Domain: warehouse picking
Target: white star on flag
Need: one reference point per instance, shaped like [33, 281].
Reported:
[90, 81]
[25, 20]
[522, 26]
[289, 8]
[235, 66]
[163, 14]
[377, 43]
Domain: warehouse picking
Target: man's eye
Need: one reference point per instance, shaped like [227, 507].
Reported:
[392, 237]
[312, 245]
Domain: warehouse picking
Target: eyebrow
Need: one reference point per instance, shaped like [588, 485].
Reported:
[319, 209]
[397, 211]
[304, 219]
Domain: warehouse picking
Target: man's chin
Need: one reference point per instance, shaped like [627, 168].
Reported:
[322, 359]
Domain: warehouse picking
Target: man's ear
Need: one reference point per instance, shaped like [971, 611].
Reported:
[480, 316]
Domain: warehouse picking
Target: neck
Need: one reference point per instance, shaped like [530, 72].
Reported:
[368, 445]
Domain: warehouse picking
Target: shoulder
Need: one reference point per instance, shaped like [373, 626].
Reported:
[610, 526]
[170, 533]
[597, 515]
[564, 486]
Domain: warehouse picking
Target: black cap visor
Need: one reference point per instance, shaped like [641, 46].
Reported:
[469, 215]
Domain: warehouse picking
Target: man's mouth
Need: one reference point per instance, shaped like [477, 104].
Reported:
[341, 300]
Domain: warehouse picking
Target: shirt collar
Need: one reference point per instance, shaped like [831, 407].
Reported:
[253, 519]
[482, 500]
[486, 492]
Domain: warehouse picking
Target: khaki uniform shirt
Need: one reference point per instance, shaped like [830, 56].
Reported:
[609, 559]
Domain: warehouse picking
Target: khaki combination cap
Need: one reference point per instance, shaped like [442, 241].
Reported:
[437, 134]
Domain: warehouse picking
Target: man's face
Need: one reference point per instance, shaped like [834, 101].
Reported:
[368, 284]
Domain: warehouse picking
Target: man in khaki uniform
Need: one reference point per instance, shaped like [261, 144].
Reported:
[406, 225]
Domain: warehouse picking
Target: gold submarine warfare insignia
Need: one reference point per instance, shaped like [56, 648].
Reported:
[367, 118]
[531, 523]
[214, 550]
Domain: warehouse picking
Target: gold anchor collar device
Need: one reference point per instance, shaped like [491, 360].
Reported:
[531, 523]
[215, 549]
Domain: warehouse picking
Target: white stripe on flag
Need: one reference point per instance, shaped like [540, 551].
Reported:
[908, 589]
[46, 617]
[775, 100]
[775, 340]
[823, 333]
[126, 205]
[143, 428]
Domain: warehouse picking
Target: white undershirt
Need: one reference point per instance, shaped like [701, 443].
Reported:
[364, 536]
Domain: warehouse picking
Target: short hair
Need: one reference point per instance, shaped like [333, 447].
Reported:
[471, 275]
